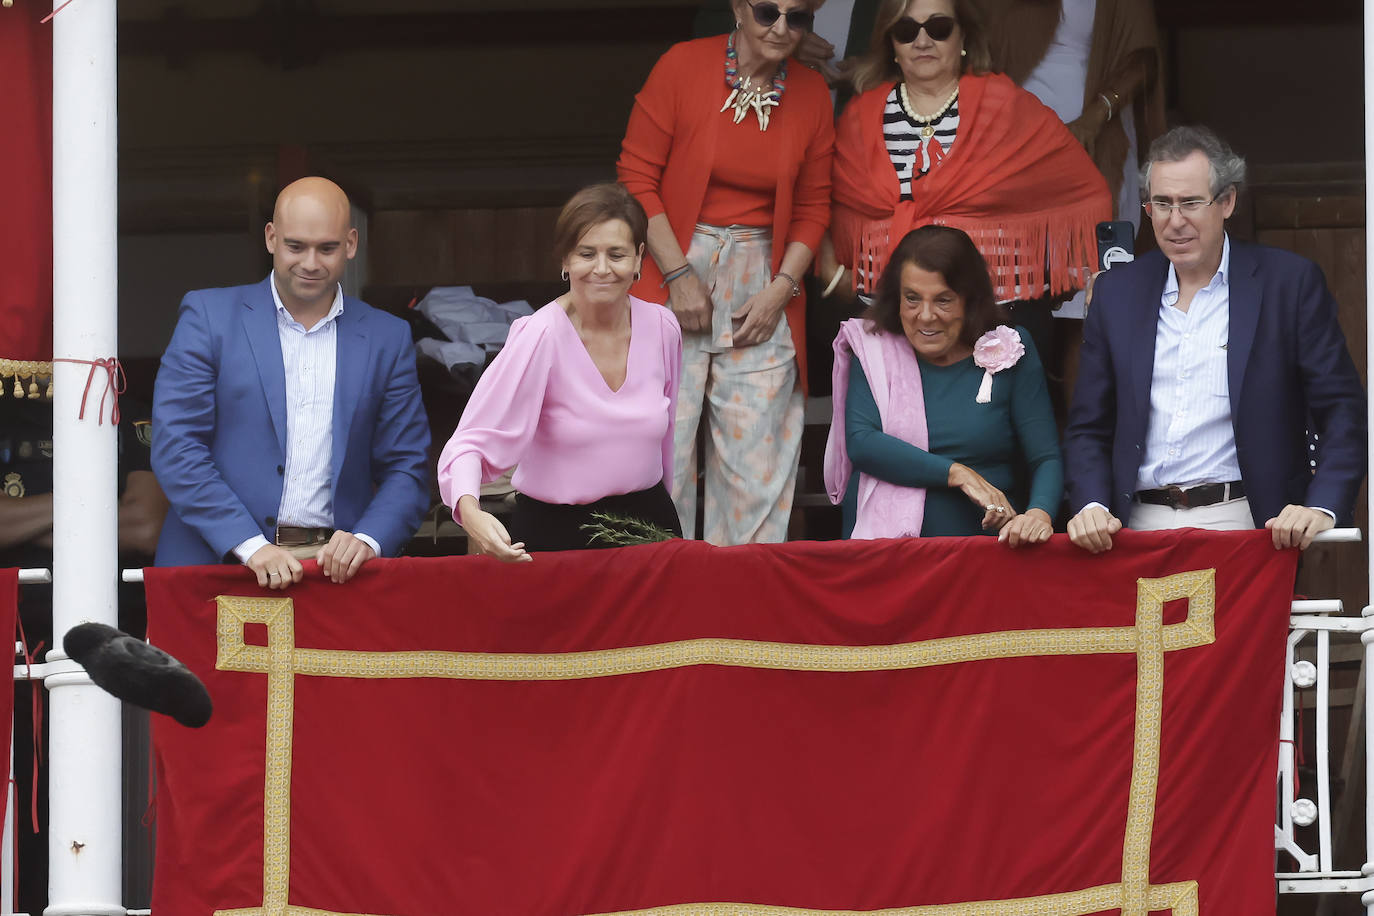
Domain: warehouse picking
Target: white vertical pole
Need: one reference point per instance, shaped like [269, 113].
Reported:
[1367, 639]
[1323, 750]
[1368, 868]
[1286, 745]
[84, 798]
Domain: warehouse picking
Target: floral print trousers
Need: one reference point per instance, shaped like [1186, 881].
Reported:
[749, 397]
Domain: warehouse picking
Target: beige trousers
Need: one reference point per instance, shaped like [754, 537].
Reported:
[1228, 516]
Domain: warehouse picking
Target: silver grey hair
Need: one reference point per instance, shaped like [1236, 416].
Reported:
[1227, 169]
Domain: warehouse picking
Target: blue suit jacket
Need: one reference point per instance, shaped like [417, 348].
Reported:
[1287, 367]
[219, 420]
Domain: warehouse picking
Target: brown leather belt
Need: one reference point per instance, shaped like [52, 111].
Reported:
[1207, 494]
[289, 536]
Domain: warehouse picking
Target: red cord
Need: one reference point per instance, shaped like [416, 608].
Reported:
[115, 383]
[48, 18]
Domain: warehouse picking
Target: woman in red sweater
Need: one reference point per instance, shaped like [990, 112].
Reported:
[728, 148]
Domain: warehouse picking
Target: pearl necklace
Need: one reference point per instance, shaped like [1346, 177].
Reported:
[927, 121]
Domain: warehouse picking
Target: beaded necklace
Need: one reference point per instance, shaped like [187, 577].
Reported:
[748, 95]
[927, 122]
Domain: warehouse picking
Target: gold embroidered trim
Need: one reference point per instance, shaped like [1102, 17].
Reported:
[279, 616]
[1149, 640]
[31, 369]
[1166, 897]
[1077, 903]
[729, 652]
[1199, 588]
[288, 911]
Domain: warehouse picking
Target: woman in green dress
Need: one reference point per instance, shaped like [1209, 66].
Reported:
[942, 421]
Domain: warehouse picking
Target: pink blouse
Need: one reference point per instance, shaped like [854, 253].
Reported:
[543, 405]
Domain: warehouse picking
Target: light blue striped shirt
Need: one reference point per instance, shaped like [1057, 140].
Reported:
[309, 359]
[1191, 440]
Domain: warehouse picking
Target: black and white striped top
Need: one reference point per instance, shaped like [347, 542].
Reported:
[902, 134]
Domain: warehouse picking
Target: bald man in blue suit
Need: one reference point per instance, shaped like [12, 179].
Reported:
[288, 421]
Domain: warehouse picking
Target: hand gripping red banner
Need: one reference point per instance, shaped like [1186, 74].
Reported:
[937, 727]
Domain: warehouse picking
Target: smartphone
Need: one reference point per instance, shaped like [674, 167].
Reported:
[1115, 243]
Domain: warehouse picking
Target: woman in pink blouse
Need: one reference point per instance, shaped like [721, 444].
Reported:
[580, 400]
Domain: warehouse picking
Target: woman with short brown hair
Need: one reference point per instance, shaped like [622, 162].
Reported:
[579, 401]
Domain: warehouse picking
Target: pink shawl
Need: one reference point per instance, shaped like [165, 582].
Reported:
[885, 510]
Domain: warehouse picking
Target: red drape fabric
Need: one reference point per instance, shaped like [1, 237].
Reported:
[994, 743]
[25, 183]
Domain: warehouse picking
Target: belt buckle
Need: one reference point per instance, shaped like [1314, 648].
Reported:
[1178, 497]
[294, 536]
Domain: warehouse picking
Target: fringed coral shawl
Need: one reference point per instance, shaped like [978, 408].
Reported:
[1015, 180]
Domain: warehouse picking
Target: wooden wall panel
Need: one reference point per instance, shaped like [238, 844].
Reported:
[462, 247]
[524, 244]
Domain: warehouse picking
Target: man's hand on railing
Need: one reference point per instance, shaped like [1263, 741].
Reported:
[1296, 526]
[1092, 529]
[274, 567]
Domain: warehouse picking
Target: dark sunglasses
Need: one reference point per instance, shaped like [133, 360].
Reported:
[765, 14]
[906, 29]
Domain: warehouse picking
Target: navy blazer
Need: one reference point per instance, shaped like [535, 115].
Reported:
[1288, 371]
[219, 426]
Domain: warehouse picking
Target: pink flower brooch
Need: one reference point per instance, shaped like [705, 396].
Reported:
[998, 349]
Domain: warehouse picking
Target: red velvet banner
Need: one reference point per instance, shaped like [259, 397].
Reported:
[938, 727]
[25, 184]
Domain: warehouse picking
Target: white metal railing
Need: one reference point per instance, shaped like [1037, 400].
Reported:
[1308, 663]
[1320, 636]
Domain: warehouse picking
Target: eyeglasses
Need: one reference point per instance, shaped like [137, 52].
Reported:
[906, 29]
[1165, 209]
[765, 14]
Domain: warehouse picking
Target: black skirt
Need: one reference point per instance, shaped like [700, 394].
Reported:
[554, 526]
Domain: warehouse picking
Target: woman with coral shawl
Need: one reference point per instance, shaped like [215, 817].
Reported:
[934, 138]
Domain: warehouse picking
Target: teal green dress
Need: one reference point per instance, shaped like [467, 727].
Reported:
[1012, 441]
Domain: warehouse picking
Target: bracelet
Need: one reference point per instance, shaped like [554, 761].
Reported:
[1110, 109]
[672, 275]
[834, 282]
[796, 290]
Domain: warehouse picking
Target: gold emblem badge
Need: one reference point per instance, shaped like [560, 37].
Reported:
[14, 485]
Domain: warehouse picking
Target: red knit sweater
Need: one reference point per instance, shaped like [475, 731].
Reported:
[675, 131]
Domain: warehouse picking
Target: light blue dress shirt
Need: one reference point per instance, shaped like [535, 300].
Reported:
[308, 358]
[1191, 440]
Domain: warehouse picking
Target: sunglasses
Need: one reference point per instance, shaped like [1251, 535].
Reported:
[937, 27]
[765, 14]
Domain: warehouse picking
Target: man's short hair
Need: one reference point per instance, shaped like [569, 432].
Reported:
[1227, 168]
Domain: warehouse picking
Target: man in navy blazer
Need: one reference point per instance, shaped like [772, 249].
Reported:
[288, 417]
[1205, 366]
